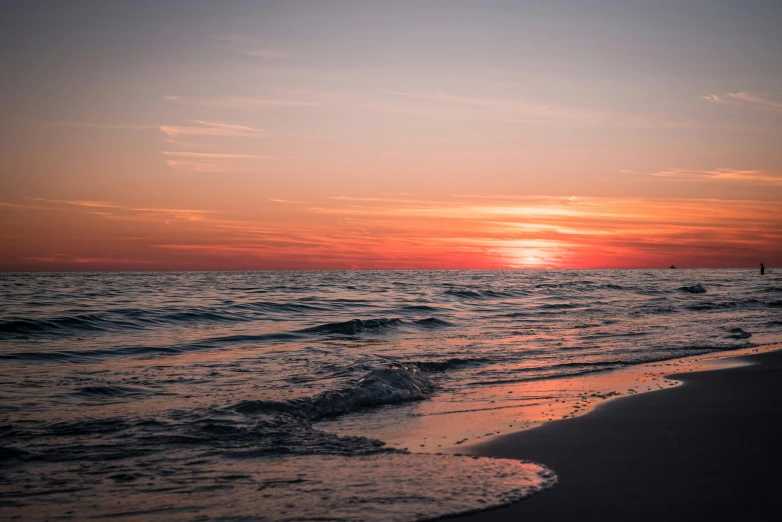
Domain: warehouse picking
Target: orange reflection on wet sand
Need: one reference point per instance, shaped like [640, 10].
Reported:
[451, 421]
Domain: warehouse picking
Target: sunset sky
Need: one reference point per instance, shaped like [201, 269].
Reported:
[173, 134]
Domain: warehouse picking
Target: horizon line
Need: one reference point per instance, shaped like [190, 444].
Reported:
[517, 269]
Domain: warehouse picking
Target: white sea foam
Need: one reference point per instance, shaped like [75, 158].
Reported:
[383, 488]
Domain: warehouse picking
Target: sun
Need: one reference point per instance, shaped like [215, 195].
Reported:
[529, 257]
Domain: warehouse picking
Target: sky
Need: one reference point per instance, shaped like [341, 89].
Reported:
[385, 134]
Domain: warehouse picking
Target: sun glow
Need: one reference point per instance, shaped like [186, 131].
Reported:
[375, 233]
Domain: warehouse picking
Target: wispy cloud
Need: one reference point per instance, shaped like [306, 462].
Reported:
[212, 162]
[714, 98]
[239, 102]
[764, 101]
[198, 166]
[277, 200]
[95, 125]
[208, 128]
[214, 155]
[493, 231]
[176, 213]
[115, 210]
[723, 174]
[206, 136]
[68, 259]
[748, 99]
[99, 204]
[16, 205]
[251, 46]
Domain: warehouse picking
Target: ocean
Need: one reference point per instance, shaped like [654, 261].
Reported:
[329, 395]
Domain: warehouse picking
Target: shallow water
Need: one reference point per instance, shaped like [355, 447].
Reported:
[149, 382]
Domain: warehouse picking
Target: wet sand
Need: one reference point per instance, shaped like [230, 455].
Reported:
[710, 449]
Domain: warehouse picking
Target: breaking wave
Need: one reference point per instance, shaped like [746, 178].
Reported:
[393, 385]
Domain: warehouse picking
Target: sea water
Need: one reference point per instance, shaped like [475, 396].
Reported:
[338, 395]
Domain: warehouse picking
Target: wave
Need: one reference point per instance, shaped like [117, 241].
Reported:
[88, 427]
[577, 368]
[392, 385]
[693, 289]
[80, 356]
[353, 326]
[485, 294]
[270, 306]
[198, 316]
[432, 322]
[110, 391]
[107, 322]
[567, 284]
[557, 306]
[655, 309]
[395, 384]
[738, 333]
[450, 364]
[651, 291]
[721, 305]
[420, 308]
[356, 326]
[139, 319]
[67, 324]
[8, 453]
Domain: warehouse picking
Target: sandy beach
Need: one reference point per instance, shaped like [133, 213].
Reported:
[710, 449]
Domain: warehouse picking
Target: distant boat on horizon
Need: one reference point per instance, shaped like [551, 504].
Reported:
[672, 266]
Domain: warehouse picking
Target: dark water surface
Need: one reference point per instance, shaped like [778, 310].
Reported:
[171, 395]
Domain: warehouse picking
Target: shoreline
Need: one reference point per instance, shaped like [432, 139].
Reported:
[441, 424]
[710, 447]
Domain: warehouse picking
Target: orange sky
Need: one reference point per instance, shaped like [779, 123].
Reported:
[379, 136]
[399, 231]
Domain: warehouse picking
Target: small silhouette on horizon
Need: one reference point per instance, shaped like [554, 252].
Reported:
[672, 266]
[762, 269]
